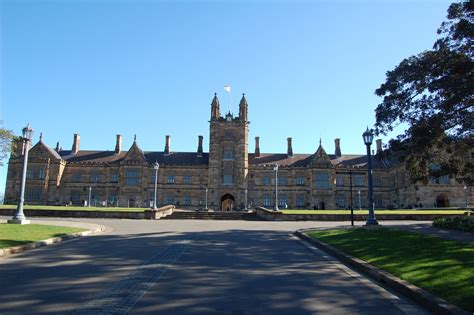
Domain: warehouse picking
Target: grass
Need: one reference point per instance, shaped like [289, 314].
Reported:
[408, 211]
[442, 267]
[74, 208]
[16, 234]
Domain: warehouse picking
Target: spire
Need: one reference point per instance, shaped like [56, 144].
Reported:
[135, 139]
[243, 108]
[41, 136]
[215, 108]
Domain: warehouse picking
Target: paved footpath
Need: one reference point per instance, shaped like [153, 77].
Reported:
[190, 267]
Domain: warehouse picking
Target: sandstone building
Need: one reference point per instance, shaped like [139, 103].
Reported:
[231, 175]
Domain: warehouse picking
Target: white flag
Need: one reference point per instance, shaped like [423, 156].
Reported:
[228, 88]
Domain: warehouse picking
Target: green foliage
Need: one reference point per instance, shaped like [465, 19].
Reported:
[16, 234]
[459, 223]
[6, 137]
[432, 93]
[442, 267]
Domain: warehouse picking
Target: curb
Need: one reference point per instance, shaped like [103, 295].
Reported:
[431, 302]
[50, 241]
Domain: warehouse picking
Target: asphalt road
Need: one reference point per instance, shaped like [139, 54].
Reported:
[189, 267]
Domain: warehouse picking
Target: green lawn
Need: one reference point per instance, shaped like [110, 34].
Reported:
[442, 267]
[16, 234]
[74, 208]
[408, 211]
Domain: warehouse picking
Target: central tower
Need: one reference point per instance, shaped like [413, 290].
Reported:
[228, 157]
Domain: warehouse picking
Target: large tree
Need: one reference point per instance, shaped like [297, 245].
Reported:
[6, 137]
[432, 95]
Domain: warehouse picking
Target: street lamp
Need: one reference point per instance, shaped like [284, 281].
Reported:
[246, 195]
[207, 190]
[368, 136]
[19, 216]
[156, 167]
[90, 195]
[276, 187]
[360, 205]
[465, 196]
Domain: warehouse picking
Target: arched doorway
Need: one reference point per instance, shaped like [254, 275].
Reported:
[227, 202]
[442, 201]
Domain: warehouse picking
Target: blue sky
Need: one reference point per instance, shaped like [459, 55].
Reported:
[100, 68]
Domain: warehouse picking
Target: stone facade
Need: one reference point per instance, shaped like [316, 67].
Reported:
[228, 175]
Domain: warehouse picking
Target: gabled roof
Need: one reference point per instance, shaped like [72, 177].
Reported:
[40, 146]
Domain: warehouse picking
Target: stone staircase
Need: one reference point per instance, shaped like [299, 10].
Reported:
[201, 215]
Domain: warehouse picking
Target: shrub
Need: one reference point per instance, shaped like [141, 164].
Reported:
[458, 223]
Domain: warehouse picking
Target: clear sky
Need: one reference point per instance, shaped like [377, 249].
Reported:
[105, 67]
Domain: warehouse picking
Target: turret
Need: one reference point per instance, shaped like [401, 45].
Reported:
[215, 108]
[243, 108]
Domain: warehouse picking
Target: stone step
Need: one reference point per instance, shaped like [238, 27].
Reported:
[211, 216]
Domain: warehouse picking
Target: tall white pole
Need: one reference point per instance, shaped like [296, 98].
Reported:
[276, 187]
[206, 197]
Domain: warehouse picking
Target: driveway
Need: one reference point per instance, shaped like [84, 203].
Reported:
[190, 267]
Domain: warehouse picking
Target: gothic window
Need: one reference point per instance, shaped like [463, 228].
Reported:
[95, 177]
[300, 180]
[112, 199]
[114, 177]
[35, 172]
[340, 201]
[171, 179]
[267, 180]
[339, 180]
[227, 179]
[33, 194]
[358, 180]
[378, 201]
[377, 180]
[267, 200]
[300, 201]
[188, 179]
[132, 177]
[282, 201]
[228, 153]
[322, 180]
[75, 196]
[282, 180]
[186, 200]
[169, 200]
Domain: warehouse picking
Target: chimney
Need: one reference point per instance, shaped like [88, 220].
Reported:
[167, 145]
[379, 145]
[200, 146]
[118, 144]
[337, 143]
[257, 146]
[290, 148]
[75, 145]
[58, 147]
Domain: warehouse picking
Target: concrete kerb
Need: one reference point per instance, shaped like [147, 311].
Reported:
[22, 248]
[431, 302]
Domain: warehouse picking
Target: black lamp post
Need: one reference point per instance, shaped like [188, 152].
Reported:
[156, 167]
[19, 216]
[368, 137]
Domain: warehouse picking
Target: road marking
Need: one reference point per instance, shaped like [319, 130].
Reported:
[125, 293]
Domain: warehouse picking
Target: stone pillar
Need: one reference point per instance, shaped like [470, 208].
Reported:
[76, 143]
[118, 144]
[290, 148]
[257, 146]
[337, 143]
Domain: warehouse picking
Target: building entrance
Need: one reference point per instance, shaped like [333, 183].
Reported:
[442, 201]
[227, 202]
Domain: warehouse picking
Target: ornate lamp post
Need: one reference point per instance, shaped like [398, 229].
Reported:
[90, 197]
[360, 205]
[276, 187]
[368, 136]
[207, 191]
[246, 198]
[156, 167]
[19, 216]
